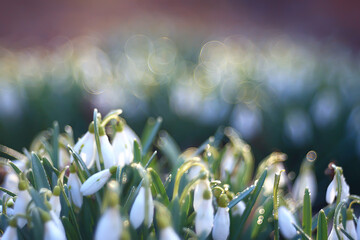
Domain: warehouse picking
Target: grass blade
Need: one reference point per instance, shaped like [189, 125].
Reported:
[150, 131]
[322, 226]
[39, 173]
[307, 213]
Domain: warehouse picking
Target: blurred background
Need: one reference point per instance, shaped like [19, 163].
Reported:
[285, 74]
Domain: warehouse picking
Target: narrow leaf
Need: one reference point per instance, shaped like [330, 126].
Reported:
[149, 134]
[307, 213]
[39, 173]
[322, 226]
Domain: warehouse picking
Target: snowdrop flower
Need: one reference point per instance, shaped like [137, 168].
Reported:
[204, 218]
[221, 229]
[331, 192]
[106, 150]
[163, 220]
[64, 158]
[358, 229]
[21, 203]
[55, 201]
[109, 226]
[350, 224]
[97, 181]
[11, 231]
[193, 172]
[86, 147]
[137, 212]
[333, 235]
[122, 146]
[52, 231]
[238, 209]
[269, 181]
[286, 220]
[74, 184]
[199, 190]
[306, 179]
[228, 163]
[131, 135]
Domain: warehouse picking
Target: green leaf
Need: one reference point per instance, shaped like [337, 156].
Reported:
[81, 166]
[322, 231]
[137, 152]
[250, 204]
[156, 182]
[39, 173]
[37, 224]
[276, 205]
[37, 199]
[307, 213]
[8, 192]
[302, 233]
[151, 129]
[97, 139]
[69, 229]
[55, 145]
[16, 169]
[241, 196]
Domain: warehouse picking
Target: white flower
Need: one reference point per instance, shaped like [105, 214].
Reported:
[86, 147]
[131, 136]
[306, 179]
[107, 152]
[193, 172]
[21, 203]
[199, 192]
[57, 221]
[10, 233]
[204, 218]
[11, 182]
[350, 229]
[331, 192]
[238, 209]
[333, 235]
[63, 158]
[53, 232]
[109, 226]
[228, 163]
[269, 181]
[55, 204]
[95, 182]
[221, 229]
[9, 211]
[358, 229]
[137, 212]
[286, 220]
[122, 149]
[168, 233]
[74, 188]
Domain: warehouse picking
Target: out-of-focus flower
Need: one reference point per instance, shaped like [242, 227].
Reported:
[298, 127]
[168, 233]
[358, 229]
[97, 181]
[247, 120]
[228, 163]
[11, 231]
[22, 201]
[331, 192]
[137, 212]
[286, 220]
[106, 150]
[204, 218]
[221, 229]
[122, 146]
[55, 201]
[306, 179]
[163, 220]
[200, 188]
[109, 226]
[273, 169]
[52, 231]
[238, 209]
[74, 184]
[333, 235]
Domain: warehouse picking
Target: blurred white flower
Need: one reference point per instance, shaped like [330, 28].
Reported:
[96, 181]
[221, 229]
[325, 108]
[238, 209]
[298, 127]
[74, 184]
[204, 218]
[247, 120]
[137, 212]
[331, 192]
[350, 229]
[168, 233]
[269, 181]
[306, 179]
[107, 152]
[122, 148]
[86, 147]
[333, 235]
[286, 220]
[199, 192]
[10, 233]
[358, 229]
[228, 163]
[55, 204]
[109, 226]
[53, 232]
[21, 203]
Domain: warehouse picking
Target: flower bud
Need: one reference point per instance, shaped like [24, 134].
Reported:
[109, 226]
[137, 212]
[97, 181]
[74, 184]
[221, 229]
[331, 191]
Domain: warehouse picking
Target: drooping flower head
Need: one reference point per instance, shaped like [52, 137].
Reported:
[97, 181]
[221, 229]
[74, 184]
[286, 221]
[204, 218]
[332, 190]
[22, 201]
[142, 202]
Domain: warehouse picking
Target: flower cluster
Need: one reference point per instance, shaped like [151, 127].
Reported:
[111, 184]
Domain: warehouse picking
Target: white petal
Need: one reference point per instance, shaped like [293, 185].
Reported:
[20, 206]
[345, 189]
[204, 219]
[107, 152]
[11, 182]
[333, 235]
[74, 187]
[199, 192]
[10, 234]
[95, 182]
[87, 153]
[306, 179]
[227, 163]
[239, 209]
[109, 226]
[53, 232]
[193, 172]
[57, 221]
[331, 191]
[221, 229]
[286, 220]
[122, 149]
[168, 233]
[137, 212]
[131, 135]
[55, 204]
[350, 229]
[358, 229]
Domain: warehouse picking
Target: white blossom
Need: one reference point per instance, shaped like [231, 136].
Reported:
[199, 192]
[204, 218]
[137, 212]
[221, 229]
[95, 182]
[122, 149]
[86, 147]
[53, 232]
[306, 179]
[74, 188]
[55, 204]
[350, 229]
[239, 208]
[107, 152]
[10, 233]
[286, 220]
[331, 192]
[168, 233]
[109, 226]
[21, 203]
